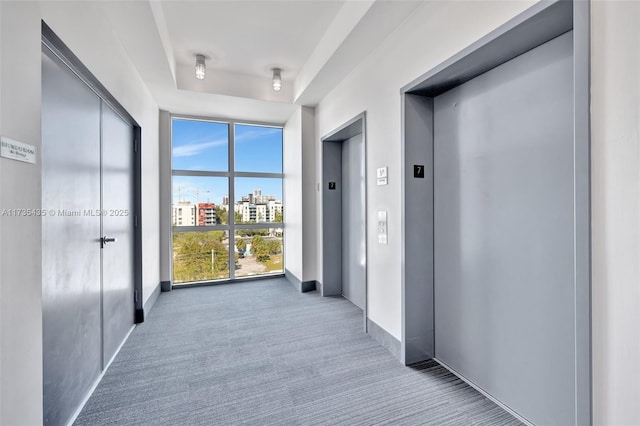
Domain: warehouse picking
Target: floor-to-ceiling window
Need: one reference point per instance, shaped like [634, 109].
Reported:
[227, 207]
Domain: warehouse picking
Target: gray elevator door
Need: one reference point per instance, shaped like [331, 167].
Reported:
[87, 185]
[504, 290]
[353, 221]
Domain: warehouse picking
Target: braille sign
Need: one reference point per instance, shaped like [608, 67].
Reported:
[17, 150]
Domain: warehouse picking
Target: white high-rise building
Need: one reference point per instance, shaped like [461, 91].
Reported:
[258, 208]
[183, 214]
[274, 206]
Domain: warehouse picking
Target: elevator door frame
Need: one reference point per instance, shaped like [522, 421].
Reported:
[331, 240]
[532, 28]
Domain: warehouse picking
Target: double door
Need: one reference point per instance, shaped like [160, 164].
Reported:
[87, 237]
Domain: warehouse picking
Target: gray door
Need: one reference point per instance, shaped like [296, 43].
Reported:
[353, 221]
[504, 287]
[86, 191]
[117, 223]
[70, 240]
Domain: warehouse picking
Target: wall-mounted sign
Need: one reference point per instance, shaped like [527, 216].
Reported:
[381, 176]
[17, 150]
[418, 171]
[332, 186]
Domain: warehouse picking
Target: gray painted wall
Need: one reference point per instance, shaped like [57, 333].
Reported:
[504, 283]
[354, 274]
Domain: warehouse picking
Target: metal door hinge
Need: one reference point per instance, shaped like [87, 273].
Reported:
[135, 220]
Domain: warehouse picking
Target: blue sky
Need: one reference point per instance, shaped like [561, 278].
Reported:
[203, 145]
[200, 145]
[258, 149]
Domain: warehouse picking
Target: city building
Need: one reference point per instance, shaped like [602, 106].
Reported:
[274, 208]
[258, 208]
[206, 214]
[184, 214]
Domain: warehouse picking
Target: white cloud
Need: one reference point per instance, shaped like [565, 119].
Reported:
[192, 149]
[258, 132]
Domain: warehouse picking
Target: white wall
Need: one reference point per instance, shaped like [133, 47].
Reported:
[83, 27]
[292, 169]
[20, 237]
[300, 193]
[309, 191]
[615, 160]
[433, 33]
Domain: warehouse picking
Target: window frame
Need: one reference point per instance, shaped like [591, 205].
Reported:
[231, 175]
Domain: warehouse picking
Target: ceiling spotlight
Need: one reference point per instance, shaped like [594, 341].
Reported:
[201, 68]
[277, 79]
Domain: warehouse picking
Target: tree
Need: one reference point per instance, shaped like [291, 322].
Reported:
[237, 217]
[278, 217]
[199, 256]
[260, 248]
[252, 232]
[256, 241]
[241, 245]
[274, 246]
[222, 216]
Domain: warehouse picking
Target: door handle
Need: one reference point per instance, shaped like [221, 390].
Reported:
[106, 240]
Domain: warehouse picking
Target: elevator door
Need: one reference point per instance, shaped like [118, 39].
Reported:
[353, 221]
[503, 182]
[87, 291]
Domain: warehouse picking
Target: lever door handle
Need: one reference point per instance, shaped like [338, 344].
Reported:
[106, 240]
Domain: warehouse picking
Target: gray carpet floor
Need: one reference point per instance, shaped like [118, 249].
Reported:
[260, 353]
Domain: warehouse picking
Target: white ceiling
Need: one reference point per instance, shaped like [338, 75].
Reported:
[315, 42]
[248, 37]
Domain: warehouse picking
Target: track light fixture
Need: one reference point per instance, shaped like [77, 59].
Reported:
[201, 68]
[277, 79]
